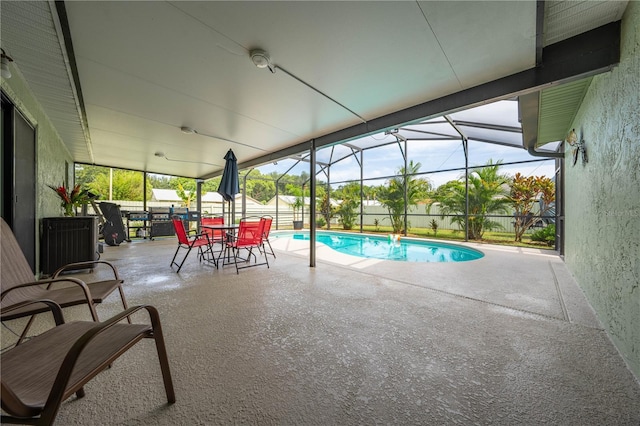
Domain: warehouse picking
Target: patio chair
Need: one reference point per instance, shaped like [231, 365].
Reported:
[38, 375]
[201, 241]
[265, 234]
[216, 236]
[19, 285]
[248, 237]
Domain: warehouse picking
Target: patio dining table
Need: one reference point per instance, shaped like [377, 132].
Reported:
[226, 229]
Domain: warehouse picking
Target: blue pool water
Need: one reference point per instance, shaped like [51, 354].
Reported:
[406, 250]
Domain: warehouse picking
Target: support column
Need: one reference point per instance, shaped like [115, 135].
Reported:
[465, 146]
[199, 200]
[361, 188]
[404, 178]
[312, 205]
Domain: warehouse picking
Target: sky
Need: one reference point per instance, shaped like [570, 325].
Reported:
[433, 155]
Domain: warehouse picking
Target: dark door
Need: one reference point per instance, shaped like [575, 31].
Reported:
[18, 178]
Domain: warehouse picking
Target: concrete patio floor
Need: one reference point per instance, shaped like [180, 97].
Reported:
[507, 339]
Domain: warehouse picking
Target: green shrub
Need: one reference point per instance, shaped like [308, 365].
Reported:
[547, 235]
[434, 227]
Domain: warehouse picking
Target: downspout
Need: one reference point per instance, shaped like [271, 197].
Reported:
[528, 109]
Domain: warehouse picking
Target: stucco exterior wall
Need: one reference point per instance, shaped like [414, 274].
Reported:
[603, 197]
[51, 152]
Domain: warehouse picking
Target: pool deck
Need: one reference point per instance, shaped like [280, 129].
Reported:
[529, 280]
[506, 339]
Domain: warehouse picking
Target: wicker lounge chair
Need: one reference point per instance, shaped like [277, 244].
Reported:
[18, 284]
[38, 375]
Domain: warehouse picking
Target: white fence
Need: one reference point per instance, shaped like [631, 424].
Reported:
[284, 217]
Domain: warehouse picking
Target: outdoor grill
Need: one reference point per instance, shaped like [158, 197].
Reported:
[161, 225]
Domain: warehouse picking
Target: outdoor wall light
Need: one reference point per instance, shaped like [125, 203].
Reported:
[5, 59]
[578, 146]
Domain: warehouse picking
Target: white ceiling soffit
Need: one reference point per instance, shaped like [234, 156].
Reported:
[149, 68]
[558, 108]
[146, 69]
[565, 19]
[30, 36]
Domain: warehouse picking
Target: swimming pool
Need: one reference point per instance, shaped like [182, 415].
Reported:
[405, 250]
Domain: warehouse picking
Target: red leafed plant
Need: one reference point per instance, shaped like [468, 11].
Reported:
[75, 197]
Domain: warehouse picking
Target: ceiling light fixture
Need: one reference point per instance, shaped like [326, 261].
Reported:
[261, 59]
[190, 131]
[5, 59]
[161, 154]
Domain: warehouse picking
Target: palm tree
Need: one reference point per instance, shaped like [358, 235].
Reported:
[392, 196]
[488, 194]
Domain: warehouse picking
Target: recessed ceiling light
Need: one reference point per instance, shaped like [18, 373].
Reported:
[159, 154]
[187, 130]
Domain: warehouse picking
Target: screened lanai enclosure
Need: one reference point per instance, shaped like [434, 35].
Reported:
[436, 151]
[446, 148]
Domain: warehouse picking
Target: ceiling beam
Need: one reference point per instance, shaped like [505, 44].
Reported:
[586, 54]
[539, 31]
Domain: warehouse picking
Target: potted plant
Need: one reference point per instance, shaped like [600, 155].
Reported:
[71, 199]
[298, 203]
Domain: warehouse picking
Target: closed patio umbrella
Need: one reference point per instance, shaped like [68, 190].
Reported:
[230, 183]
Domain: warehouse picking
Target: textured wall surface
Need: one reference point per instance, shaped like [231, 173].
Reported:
[603, 196]
[51, 152]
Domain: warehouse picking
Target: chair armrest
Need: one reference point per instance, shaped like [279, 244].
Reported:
[64, 373]
[200, 236]
[56, 310]
[86, 265]
[50, 282]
